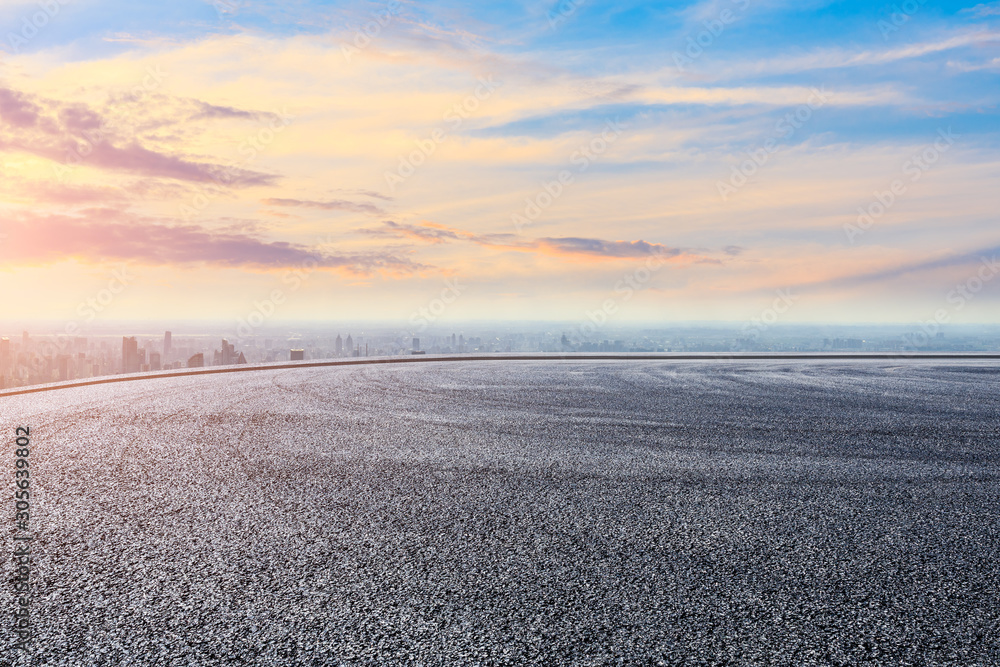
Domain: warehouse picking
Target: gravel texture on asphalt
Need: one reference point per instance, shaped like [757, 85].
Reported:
[521, 513]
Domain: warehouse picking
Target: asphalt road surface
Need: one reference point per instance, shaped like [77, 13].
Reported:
[517, 513]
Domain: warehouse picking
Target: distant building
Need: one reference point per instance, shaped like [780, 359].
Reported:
[228, 353]
[297, 355]
[338, 346]
[416, 344]
[349, 345]
[196, 361]
[166, 343]
[4, 354]
[241, 359]
[154, 361]
[130, 355]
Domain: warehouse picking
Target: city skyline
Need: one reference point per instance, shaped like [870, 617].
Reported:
[46, 357]
[660, 161]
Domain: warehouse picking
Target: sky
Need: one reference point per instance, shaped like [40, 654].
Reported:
[582, 161]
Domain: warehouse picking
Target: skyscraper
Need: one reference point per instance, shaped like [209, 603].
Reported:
[349, 344]
[228, 354]
[4, 354]
[339, 346]
[130, 355]
[166, 344]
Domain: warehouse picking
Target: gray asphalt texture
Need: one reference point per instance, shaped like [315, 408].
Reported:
[521, 513]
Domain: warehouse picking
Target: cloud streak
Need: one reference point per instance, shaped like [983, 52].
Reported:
[100, 235]
[576, 247]
[333, 205]
[828, 59]
[971, 259]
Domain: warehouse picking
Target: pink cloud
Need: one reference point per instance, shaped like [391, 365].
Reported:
[75, 133]
[99, 235]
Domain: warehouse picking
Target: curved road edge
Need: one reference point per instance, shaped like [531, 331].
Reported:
[504, 357]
